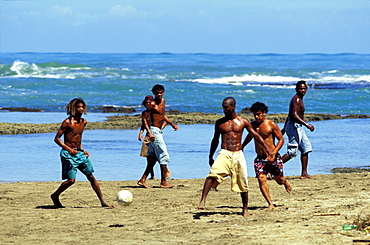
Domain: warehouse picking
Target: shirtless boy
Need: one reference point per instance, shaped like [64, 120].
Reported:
[150, 159]
[72, 154]
[154, 125]
[269, 131]
[294, 128]
[230, 160]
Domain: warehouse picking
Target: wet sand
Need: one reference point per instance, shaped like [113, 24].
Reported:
[313, 213]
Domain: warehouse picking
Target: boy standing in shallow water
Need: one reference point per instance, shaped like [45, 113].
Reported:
[269, 131]
[72, 155]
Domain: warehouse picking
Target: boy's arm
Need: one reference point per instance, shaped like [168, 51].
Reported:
[247, 139]
[142, 128]
[214, 144]
[168, 121]
[278, 135]
[60, 132]
[144, 121]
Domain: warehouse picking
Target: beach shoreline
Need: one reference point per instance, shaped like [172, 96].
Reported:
[313, 213]
[134, 121]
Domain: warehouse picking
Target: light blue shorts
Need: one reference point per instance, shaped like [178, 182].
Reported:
[298, 139]
[158, 147]
[70, 164]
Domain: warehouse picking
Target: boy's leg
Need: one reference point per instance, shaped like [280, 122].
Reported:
[164, 173]
[149, 169]
[304, 162]
[285, 182]
[244, 196]
[206, 188]
[56, 194]
[95, 185]
[262, 180]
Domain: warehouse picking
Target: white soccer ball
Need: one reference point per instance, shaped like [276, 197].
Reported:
[124, 197]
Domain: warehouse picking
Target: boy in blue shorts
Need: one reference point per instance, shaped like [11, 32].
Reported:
[72, 155]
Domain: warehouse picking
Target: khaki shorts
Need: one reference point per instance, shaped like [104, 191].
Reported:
[145, 147]
[230, 163]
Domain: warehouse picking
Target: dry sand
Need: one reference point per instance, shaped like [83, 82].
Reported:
[313, 213]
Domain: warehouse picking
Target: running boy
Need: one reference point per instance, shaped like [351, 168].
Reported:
[269, 131]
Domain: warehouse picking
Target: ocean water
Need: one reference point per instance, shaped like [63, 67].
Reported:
[338, 84]
[115, 153]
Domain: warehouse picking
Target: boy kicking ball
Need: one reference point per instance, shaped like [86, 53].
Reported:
[72, 155]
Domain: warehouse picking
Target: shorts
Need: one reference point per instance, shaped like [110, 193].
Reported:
[145, 147]
[298, 139]
[230, 163]
[158, 147]
[263, 167]
[70, 164]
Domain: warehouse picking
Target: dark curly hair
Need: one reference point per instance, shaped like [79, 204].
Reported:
[259, 106]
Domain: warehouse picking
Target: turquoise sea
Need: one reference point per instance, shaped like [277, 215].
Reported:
[338, 84]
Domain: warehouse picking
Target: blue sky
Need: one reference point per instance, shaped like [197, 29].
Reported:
[187, 26]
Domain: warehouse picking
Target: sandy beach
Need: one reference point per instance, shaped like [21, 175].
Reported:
[313, 213]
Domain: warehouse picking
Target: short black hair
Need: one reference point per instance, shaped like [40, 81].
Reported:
[301, 82]
[157, 87]
[259, 106]
[230, 100]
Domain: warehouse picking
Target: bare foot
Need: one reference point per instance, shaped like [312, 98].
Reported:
[168, 174]
[57, 203]
[201, 205]
[166, 186]
[288, 187]
[246, 214]
[152, 177]
[143, 184]
[306, 177]
[106, 205]
[270, 207]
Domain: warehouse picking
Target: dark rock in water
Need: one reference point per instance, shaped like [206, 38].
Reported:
[246, 110]
[351, 170]
[22, 109]
[117, 109]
